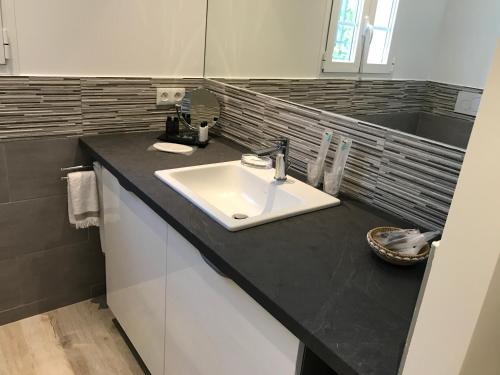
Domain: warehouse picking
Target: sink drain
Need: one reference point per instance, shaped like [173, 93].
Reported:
[240, 216]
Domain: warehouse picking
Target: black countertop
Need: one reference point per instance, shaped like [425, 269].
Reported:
[315, 272]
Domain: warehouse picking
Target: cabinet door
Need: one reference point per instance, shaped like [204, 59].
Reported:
[213, 327]
[135, 270]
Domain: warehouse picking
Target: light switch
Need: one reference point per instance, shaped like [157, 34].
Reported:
[467, 103]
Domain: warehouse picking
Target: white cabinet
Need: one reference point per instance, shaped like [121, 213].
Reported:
[181, 315]
[213, 327]
[135, 246]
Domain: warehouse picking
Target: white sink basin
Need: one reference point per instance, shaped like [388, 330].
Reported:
[239, 197]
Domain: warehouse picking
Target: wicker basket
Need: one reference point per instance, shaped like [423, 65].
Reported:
[393, 256]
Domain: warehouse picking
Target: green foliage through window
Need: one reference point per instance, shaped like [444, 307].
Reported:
[347, 31]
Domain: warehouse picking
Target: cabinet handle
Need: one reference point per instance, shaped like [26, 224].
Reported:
[128, 190]
[214, 267]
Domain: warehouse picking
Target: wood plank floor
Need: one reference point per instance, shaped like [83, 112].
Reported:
[78, 339]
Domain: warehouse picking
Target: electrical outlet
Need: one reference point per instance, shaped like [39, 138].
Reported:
[467, 103]
[169, 95]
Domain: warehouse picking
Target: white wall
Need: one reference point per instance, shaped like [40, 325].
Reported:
[443, 40]
[464, 265]
[286, 38]
[265, 39]
[448, 41]
[466, 44]
[109, 37]
[9, 22]
[414, 40]
[482, 354]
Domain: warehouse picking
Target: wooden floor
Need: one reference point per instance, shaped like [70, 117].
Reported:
[78, 339]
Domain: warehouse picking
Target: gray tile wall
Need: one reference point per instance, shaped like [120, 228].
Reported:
[441, 97]
[400, 173]
[4, 185]
[362, 97]
[44, 262]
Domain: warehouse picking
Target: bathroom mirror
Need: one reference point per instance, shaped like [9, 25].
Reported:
[199, 106]
[414, 66]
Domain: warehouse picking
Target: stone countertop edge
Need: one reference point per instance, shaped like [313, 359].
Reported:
[352, 309]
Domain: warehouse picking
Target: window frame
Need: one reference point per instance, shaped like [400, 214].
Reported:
[360, 64]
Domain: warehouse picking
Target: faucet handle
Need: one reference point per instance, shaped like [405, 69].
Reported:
[282, 143]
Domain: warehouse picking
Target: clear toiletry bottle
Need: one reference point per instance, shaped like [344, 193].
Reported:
[333, 176]
[315, 168]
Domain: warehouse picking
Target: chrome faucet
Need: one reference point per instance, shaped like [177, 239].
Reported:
[281, 149]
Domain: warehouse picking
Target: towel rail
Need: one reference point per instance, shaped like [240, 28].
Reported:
[76, 167]
[72, 169]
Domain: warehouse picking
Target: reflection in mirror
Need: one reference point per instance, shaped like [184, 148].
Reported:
[200, 106]
[415, 67]
[401, 78]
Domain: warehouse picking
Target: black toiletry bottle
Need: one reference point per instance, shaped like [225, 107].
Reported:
[169, 125]
[176, 125]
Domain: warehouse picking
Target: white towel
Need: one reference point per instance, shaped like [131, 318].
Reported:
[83, 201]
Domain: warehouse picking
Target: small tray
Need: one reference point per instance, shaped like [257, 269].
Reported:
[189, 138]
[174, 148]
[393, 256]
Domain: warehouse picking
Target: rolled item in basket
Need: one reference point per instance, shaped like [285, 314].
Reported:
[412, 243]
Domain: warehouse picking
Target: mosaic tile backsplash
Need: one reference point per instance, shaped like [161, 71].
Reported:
[406, 175]
[397, 172]
[362, 97]
[32, 107]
